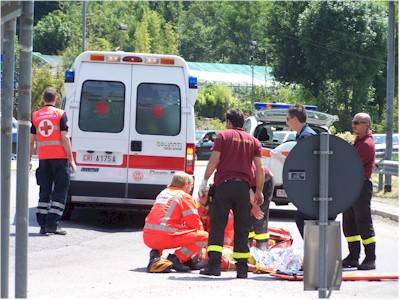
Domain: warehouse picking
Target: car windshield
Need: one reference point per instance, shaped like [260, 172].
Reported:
[199, 135]
[380, 139]
[279, 136]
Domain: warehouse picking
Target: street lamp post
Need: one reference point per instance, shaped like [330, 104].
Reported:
[253, 46]
[122, 27]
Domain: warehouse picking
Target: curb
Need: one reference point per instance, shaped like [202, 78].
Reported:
[385, 214]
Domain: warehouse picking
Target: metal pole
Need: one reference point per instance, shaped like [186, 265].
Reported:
[83, 26]
[323, 214]
[252, 82]
[389, 93]
[24, 115]
[6, 131]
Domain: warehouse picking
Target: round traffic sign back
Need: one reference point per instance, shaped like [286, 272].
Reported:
[301, 176]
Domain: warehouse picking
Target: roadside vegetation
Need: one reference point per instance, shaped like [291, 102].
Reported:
[330, 54]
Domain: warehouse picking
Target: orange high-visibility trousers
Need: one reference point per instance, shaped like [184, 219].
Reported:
[189, 242]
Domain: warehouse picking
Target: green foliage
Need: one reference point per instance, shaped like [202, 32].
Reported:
[336, 50]
[142, 38]
[52, 33]
[41, 79]
[202, 123]
[214, 100]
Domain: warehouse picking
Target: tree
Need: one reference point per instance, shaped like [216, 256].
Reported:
[154, 30]
[52, 33]
[142, 38]
[334, 49]
[170, 40]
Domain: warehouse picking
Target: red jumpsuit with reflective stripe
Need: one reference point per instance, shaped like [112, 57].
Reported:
[174, 222]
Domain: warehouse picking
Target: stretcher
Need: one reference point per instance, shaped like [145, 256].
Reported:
[347, 276]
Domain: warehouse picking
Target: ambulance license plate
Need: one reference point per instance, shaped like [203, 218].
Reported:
[100, 158]
[281, 193]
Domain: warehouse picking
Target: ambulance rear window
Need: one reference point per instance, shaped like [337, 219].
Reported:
[158, 109]
[102, 106]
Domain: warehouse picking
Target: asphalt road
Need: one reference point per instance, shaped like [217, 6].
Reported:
[103, 256]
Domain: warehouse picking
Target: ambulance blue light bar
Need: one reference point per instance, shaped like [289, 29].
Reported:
[264, 105]
[192, 82]
[69, 76]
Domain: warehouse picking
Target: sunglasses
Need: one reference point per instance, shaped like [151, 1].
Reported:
[357, 122]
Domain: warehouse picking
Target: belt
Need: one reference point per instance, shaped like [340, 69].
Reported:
[235, 179]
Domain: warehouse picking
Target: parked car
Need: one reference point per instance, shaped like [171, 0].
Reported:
[283, 136]
[204, 143]
[268, 125]
[14, 137]
[380, 144]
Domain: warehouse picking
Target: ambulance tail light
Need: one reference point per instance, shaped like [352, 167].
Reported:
[134, 59]
[189, 162]
[96, 57]
[167, 61]
[152, 60]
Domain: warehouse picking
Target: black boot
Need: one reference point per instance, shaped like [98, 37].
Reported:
[177, 265]
[214, 264]
[241, 268]
[351, 261]
[369, 261]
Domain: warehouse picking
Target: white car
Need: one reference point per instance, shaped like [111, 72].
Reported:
[380, 144]
[269, 127]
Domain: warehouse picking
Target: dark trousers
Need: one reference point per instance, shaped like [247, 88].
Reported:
[261, 226]
[231, 195]
[357, 220]
[53, 178]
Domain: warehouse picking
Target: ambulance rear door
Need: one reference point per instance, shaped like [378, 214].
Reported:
[100, 132]
[158, 125]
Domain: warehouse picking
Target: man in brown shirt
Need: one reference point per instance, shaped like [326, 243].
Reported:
[357, 220]
[232, 156]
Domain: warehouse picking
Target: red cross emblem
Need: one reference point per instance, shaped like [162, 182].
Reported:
[46, 128]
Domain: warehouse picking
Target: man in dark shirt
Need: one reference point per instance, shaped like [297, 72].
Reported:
[296, 121]
[233, 154]
[357, 220]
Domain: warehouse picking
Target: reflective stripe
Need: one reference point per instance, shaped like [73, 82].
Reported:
[42, 211]
[43, 204]
[369, 241]
[56, 211]
[189, 212]
[353, 238]
[49, 143]
[261, 236]
[251, 234]
[215, 248]
[160, 227]
[57, 204]
[186, 251]
[171, 209]
[239, 255]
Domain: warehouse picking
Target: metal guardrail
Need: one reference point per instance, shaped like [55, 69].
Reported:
[386, 167]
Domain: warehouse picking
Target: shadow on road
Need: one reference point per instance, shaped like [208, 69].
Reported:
[103, 220]
[112, 220]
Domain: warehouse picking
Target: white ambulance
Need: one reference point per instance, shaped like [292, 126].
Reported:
[268, 125]
[131, 122]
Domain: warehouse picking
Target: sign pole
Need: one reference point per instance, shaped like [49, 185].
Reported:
[323, 214]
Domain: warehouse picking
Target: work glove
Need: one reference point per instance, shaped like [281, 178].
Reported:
[203, 188]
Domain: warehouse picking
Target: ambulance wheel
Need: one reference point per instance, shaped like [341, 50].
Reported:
[68, 208]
